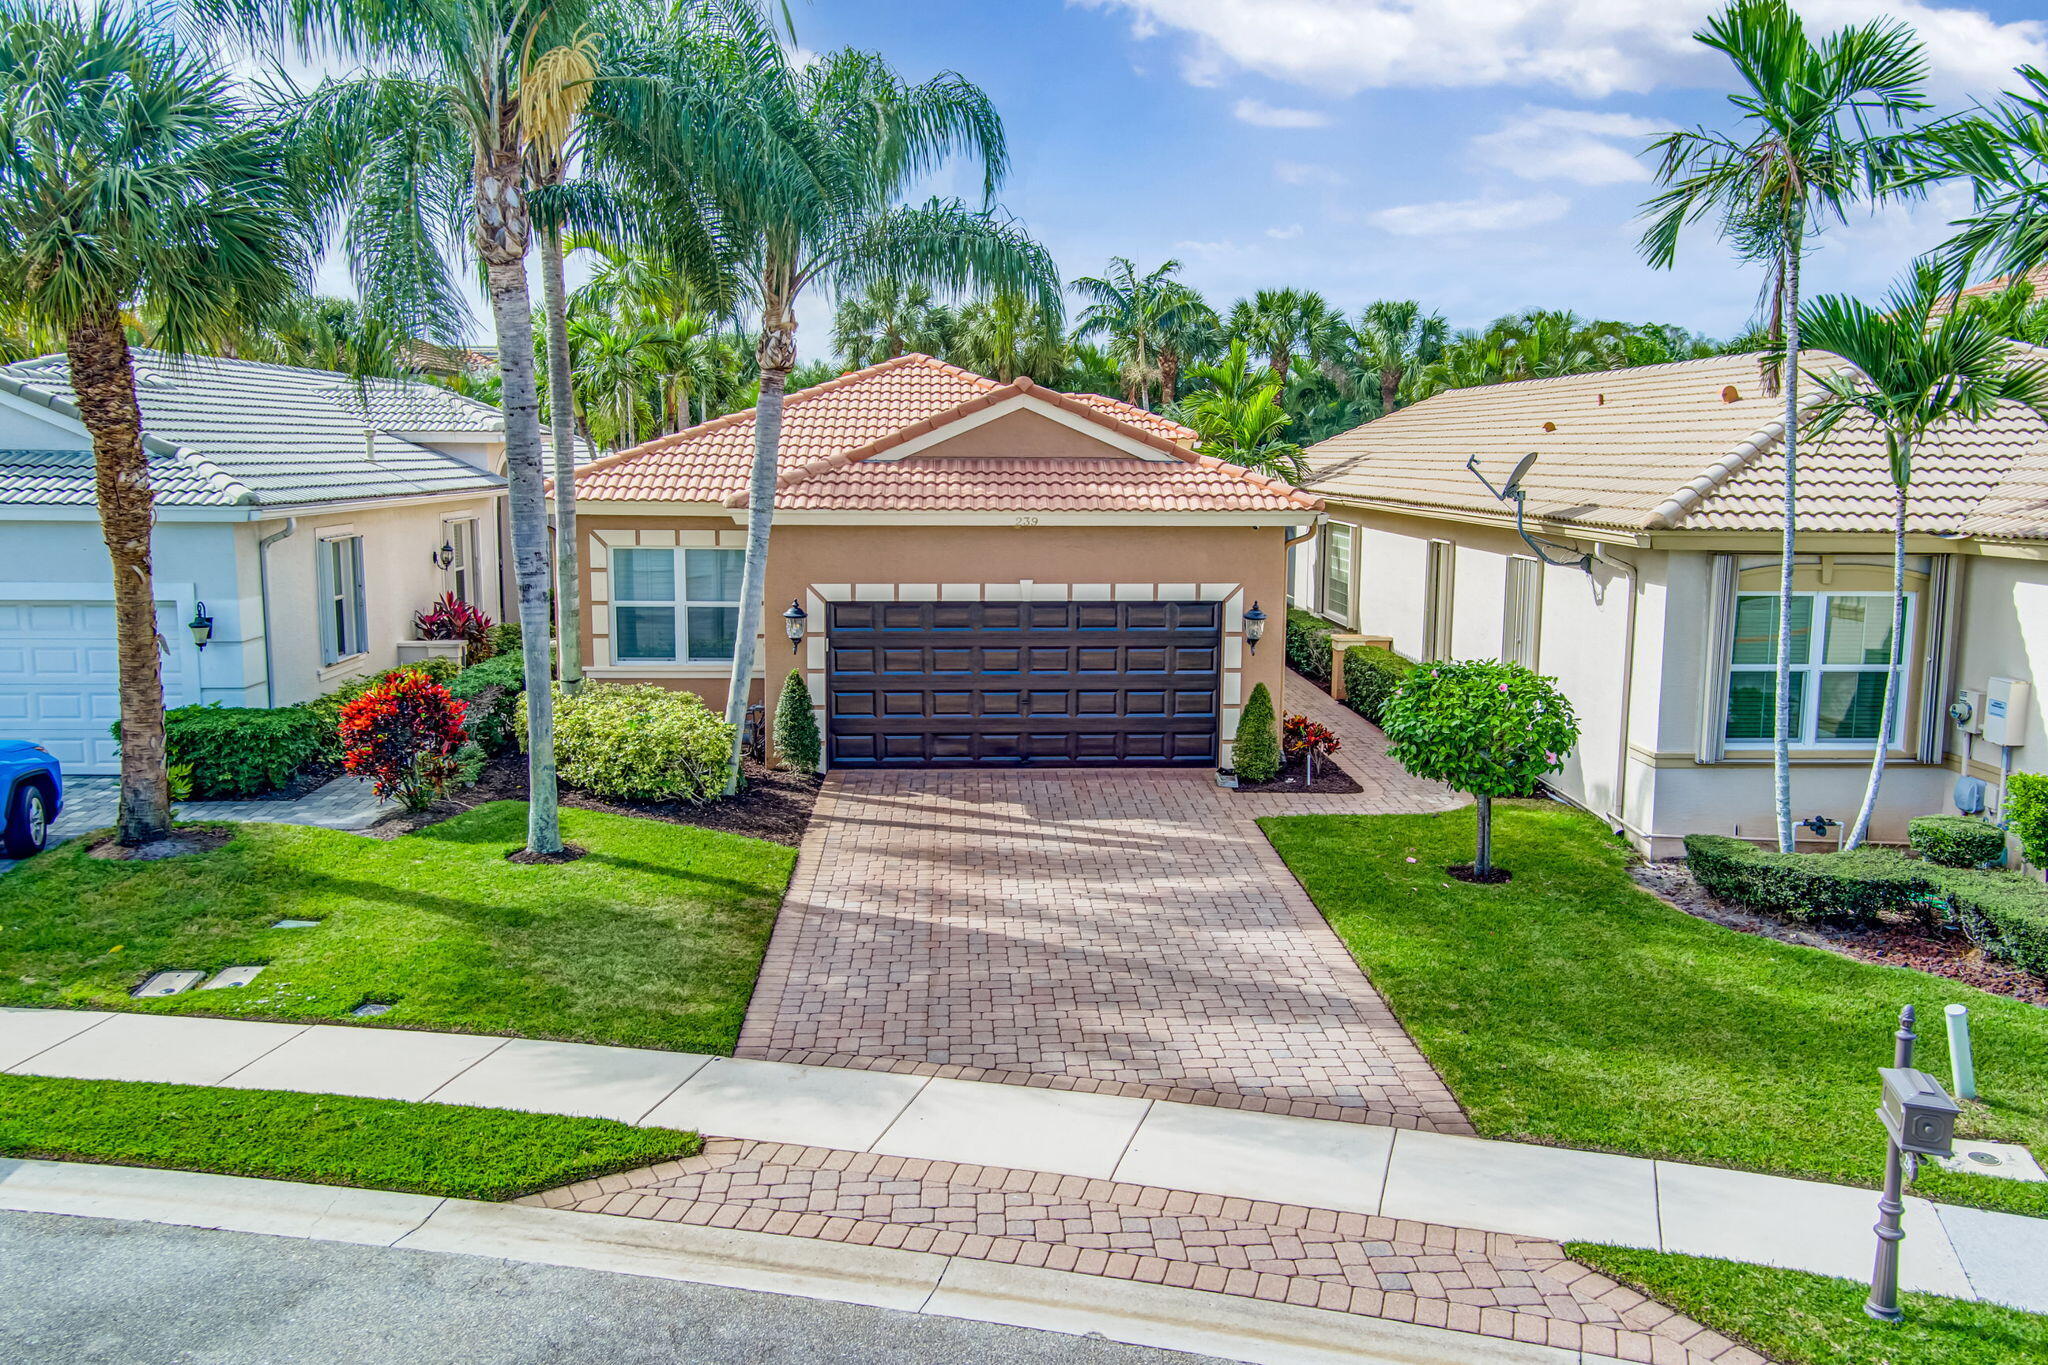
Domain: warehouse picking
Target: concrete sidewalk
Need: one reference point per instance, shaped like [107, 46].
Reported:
[1434, 1178]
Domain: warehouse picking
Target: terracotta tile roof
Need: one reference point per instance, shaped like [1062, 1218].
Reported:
[833, 432]
[1693, 445]
[2038, 277]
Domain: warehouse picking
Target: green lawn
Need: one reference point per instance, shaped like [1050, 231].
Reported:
[1804, 1319]
[1569, 1006]
[653, 940]
[439, 1149]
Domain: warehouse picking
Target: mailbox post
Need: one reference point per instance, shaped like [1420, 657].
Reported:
[1919, 1120]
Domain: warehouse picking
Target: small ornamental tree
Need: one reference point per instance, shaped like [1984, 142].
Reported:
[1308, 740]
[1486, 728]
[796, 725]
[1256, 752]
[402, 734]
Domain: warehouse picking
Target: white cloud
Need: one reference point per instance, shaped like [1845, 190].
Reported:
[1305, 173]
[1580, 145]
[1264, 115]
[1593, 49]
[1284, 234]
[1452, 216]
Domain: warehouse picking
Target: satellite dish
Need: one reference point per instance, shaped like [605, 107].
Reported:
[1521, 472]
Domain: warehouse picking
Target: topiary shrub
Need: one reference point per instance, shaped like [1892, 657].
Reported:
[1308, 644]
[2005, 913]
[2026, 814]
[638, 743]
[1256, 753]
[1490, 729]
[1371, 674]
[403, 733]
[492, 690]
[1956, 840]
[231, 752]
[1856, 887]
[796, 726]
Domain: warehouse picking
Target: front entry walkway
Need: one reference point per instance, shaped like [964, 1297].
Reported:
[1120, 932]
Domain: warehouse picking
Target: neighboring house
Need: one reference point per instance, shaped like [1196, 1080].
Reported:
[1670, 477]
[307, 512]
[990, 574]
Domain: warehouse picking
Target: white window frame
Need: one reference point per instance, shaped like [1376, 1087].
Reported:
[1803, 736]
[680, 604]
[461, 577]
[1330, 558]
[339, 570]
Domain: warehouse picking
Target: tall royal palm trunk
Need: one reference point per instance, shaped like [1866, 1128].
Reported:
[103, 379]
[776, 353]
[1169, 375]
[1390, 387]
[503, 232]
[1861, 830]
[562, 425]
[1781, 744]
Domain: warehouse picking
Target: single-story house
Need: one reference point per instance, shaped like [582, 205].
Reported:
[1647, 585]
[989, 574]
[307, 514]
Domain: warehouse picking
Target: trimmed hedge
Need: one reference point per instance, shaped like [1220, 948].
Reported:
[240, 751]
[1255, 754]
[2004, 912]
[796, 725]
[1371, 675]
[491, 690]
[1308, 644]
[2026, 811]
[1955, 840]
[638, 743]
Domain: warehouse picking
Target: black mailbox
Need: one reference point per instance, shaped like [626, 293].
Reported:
[1918, 1112]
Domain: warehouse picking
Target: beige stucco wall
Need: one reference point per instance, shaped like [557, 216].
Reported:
[400, 577]
[2005, 634]
[817, 563]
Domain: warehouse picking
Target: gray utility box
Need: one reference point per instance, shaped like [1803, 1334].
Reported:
[1918, 1112]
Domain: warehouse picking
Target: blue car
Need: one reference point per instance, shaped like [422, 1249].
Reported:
[34, 788]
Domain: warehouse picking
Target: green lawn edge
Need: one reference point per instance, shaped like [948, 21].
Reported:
[1570, 1007]
[654, 939]
[1800, 1318]
[412, 1147]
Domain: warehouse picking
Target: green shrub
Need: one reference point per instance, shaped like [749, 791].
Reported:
[1839, 888]
[491, 691]
[1956, 840]
[796, 725]
[1308, 644]
[2026, 812]
[2004, 913]
[1371, 675]
[239, 751]
[1256, 752]
[638, 743]
[502, 638]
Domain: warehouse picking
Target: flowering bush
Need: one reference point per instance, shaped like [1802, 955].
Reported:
[1305, 739]
[1487, 728]
[402, 734]
[451, 618]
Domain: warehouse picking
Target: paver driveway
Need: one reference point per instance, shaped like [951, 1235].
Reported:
[1129, 932]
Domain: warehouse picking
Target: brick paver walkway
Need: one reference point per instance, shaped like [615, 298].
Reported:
[1126, 932]
[1518, 1288]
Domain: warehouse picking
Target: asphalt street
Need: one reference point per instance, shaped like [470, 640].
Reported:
[79, 1290]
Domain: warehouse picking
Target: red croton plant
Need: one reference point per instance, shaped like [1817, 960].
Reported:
[402, 734]
[1309, 740]
[451, 618]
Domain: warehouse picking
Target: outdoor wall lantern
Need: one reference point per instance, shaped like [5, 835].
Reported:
[445, 556]
[793, 624]
[201, 625]
[1254, 627]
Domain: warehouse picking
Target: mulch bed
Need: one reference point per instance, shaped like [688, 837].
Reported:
[1941, 953]
[772, 805]
[1331, 780]
[184, 839]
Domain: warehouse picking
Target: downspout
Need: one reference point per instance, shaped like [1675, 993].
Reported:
[291, 524]
[1619, 817]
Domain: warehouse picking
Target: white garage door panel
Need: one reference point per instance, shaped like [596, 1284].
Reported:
[58, 678]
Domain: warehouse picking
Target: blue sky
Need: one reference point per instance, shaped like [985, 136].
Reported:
[1474, 154]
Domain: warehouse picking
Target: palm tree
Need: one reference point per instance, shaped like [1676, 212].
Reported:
[441, 147]
[1189, 331]
[1130, 310]
[2005, 155]
[131, 179]
[802, 169]
[1821, 126]
[887, 319]
[1007, 335]
[1285, 323]
[1396, 337]
[1239, 416]
[1911, 374]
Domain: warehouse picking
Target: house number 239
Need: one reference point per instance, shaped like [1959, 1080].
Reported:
[1027, 521]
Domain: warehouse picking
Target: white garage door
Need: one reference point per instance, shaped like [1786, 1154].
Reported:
[58, 683]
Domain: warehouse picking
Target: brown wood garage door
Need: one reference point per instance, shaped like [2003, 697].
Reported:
[1038, 684]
